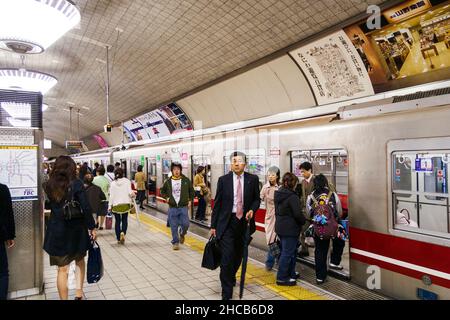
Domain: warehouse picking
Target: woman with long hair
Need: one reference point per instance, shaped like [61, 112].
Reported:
[267, 195]
[68, 238]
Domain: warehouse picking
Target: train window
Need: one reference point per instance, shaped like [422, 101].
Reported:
[256, 164]
[420, 192]
[166, 163]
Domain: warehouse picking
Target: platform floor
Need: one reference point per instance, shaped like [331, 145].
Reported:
[146, 267]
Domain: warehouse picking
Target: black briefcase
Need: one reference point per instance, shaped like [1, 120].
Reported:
[212, 254]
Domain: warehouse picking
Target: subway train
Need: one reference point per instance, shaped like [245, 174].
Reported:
[387, 160]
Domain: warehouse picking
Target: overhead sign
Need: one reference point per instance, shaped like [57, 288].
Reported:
[164, 121]
[334, 69]
[74, 144]
[19, 171]
[406, 10]
[424, 164]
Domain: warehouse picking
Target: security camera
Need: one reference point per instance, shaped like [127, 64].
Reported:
[108, 127]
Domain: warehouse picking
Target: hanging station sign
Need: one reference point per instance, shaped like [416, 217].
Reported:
[74, 144]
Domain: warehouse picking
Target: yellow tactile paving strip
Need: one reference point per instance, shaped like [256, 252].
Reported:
[255, 274]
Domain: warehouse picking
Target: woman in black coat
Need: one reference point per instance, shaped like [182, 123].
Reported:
[288, 225]
[7, 235]
[67, 240]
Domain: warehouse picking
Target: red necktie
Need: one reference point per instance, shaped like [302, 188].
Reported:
[239, 206]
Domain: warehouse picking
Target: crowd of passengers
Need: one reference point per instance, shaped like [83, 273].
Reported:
[290, 219]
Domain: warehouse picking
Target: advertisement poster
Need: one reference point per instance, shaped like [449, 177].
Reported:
[19, 171]
[164, 121]
[411, 47]
[334, 69]
[101, 142]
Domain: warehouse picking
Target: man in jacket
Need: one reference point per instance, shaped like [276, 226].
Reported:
[7, 235]
[178, 192]
[307, 187]
[236, 202]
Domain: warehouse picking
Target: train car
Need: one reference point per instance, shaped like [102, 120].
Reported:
[389, 164]
[102, 157]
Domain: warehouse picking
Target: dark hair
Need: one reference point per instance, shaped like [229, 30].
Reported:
[175, 164]
[306, 166]
[200, 169]
[63, 173]
[96, 164]
[118, 173]
[320, 183]
[238, 154]
[84, 170]
[101, 170]
[88, 178]
[117, 164]
[110, 168]
[139, 168]
[289, 180]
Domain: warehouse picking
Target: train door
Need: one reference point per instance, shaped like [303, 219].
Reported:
[196, 162]
[333, 164]
[151, 182]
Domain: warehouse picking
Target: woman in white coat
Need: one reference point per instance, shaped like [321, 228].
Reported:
[120, 203]
[267, 195]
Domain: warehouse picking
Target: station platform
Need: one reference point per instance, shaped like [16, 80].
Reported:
[146, 268]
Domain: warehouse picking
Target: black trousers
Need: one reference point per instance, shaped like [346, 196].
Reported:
[232, 247]
[321, 254]
[3, 271]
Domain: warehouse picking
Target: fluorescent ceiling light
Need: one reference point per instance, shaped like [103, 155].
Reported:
[19, 123]
[17, 110]
[26, 80]
[31, 26]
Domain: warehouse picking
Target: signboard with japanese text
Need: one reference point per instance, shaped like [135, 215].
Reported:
[334, 69]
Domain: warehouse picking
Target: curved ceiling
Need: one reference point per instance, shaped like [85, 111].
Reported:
[168, 48]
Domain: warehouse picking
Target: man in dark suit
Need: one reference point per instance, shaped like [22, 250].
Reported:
[235, 205]
[7, 235]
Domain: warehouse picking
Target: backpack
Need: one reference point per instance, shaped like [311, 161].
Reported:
[324, 221]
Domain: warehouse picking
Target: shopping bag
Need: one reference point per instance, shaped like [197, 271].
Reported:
[108, 221]
[95, 263]
[275, 248]
[71, 282]
[212, 254]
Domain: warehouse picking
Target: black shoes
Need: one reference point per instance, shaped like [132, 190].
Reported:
[297, 275]
[320, 281]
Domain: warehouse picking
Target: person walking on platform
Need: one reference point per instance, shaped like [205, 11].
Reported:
[288, 224]
[84, 170]
[200, 192]
[110, 173]
[267, 195]
[120, 201]
[323, 192]
[236, 202]
[7, 235]
[139, 178]
[94, 172]
[68, 237]
[179, 193]
[101, 181]
[96, 198]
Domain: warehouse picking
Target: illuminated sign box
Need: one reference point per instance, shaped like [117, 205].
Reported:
[406, 10]
[74, 144]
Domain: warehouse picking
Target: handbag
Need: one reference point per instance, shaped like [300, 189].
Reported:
[72, 209]
[95, 268]
[275, 248]
[212, 254]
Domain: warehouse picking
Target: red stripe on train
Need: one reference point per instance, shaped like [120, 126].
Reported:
[405, 271]
[416, 252]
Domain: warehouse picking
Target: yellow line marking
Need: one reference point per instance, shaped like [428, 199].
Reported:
[255, 274]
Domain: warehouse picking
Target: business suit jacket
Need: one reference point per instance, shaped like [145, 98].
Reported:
[223, 202]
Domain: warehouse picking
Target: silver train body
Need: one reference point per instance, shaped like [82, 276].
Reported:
[372, 159]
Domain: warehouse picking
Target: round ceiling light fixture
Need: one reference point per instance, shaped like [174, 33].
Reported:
[31, 26]
[26, 80]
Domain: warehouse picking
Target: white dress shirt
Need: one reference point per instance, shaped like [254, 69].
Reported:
[235, 181]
